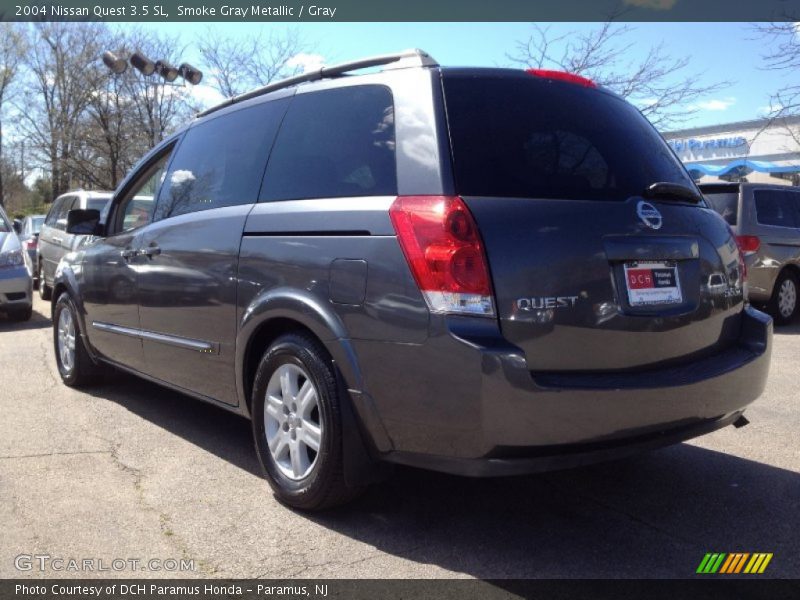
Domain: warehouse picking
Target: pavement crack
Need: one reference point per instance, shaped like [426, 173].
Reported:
[48, 454]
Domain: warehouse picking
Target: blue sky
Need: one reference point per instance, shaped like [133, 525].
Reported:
[722, 51]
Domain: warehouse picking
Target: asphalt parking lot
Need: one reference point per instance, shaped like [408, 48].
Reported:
[130, 470]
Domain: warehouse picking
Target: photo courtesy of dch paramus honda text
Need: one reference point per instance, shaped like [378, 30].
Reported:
[477, 271]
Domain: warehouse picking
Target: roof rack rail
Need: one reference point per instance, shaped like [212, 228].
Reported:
[407, 58]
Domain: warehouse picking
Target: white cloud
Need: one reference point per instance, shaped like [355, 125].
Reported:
[652, 4]
[716, 104]
[306, 61]
[205, 95]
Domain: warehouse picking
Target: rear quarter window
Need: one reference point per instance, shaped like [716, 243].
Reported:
[521, 136]
[333, 144]
[726, 204]
[777, 208]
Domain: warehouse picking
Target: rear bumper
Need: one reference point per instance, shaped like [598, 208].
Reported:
[561, 457]
[469, 404]
[15, 287]
[761, 276]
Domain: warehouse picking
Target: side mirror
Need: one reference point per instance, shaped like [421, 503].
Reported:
[83, 221]
[17, 226]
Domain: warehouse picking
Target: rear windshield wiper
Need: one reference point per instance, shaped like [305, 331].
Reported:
[664, 190]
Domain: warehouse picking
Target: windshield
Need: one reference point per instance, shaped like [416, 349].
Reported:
[5, 226]
[523, 136]
[725, 204]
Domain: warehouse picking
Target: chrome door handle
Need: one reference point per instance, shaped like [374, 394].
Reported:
[129, 253]
[151, 251]
[57, 240]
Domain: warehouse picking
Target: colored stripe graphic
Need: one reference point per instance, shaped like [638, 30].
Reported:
[733, 563]
[758, 563]
[711, 563]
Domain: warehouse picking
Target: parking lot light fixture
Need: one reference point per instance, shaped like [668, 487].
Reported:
[116, 64]
[166, 71]
[190, 74]
[142, 64]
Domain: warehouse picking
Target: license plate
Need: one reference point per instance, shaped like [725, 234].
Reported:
[651, 283]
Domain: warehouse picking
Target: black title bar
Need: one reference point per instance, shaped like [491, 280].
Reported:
[399, 10]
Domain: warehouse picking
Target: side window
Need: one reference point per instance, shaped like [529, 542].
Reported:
[50, 219]
[61, 217]
[221, 161]
[334, 143]
[136, 208]
[775, 207]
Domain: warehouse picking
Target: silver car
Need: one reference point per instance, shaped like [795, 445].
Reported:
[54, 241]
[28, 232]
[16, 283]
[766, 220]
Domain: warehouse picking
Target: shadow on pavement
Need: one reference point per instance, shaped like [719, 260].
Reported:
[655, 515]
[791, 328]
[37, 321]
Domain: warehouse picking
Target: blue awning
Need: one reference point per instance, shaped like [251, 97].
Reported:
[742, 165]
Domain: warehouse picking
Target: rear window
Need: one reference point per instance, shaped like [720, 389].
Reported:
[777, 208]
[36, 224]
[726, 204]
[521, 136]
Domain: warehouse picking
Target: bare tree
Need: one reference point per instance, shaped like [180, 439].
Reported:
[238, 64]
[62, 72]
[657, 83]
[783, 55]
[12, 48]
[127, 114]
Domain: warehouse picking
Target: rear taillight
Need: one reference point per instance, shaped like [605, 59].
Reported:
[30, 244]
[745, 244]
[562, 76]
[441, 242]
[748, 243]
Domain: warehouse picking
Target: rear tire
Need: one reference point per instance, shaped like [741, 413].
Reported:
[75, 366]
[783, 304]
[297, 424]
[21, 314]
[45, 292]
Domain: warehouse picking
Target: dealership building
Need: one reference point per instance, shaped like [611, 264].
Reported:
[761, 151]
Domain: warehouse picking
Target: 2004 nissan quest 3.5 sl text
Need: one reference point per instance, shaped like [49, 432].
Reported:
[476, 271]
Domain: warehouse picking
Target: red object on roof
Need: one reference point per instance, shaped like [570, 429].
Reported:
[562, 76]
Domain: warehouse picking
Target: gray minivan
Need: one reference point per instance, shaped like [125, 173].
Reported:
[478, 271]
[766, 220]
[55, 241]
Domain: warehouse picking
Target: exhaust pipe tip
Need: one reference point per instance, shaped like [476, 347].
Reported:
[741, 422]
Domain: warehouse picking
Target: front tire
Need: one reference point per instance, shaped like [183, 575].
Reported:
[74, 363]
[297, 424]
[783, 304]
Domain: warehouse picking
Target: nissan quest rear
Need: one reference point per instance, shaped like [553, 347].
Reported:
[477, 271]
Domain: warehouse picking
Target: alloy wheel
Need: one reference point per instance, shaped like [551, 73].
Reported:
[292, 421]
[66, 339]
[787, 298]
